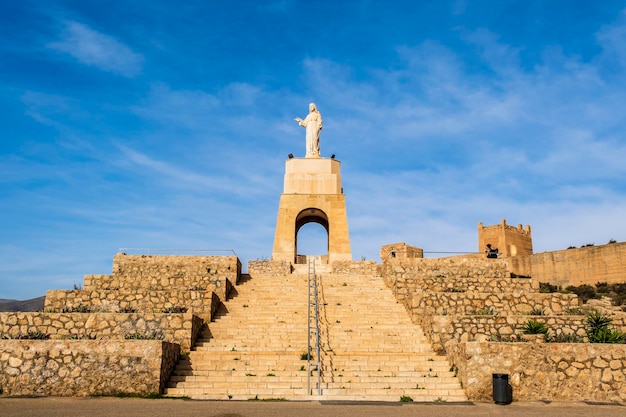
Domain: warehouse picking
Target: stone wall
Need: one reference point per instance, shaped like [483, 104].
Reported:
[355, 267]
[169, 272]
[201, 303]
[85, 367]
[266, 267]
[587, 265]
[542, 371]
[181, 329]
[500, 304]
[460, 328]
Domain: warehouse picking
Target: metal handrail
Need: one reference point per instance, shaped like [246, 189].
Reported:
[145, 251]
[313, 330]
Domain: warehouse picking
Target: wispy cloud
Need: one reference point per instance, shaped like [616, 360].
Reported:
[96, 49]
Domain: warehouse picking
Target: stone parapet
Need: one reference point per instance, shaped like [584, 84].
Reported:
[369, 268]
[269, 267]
[542, 371]
[181, 329]
[202, 303]
[499, 304]
[85, 367]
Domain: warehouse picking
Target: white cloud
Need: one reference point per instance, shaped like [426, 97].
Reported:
[95, 49]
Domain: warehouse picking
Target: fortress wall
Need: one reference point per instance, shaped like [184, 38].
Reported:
[85, 367]
[587, 265]
[542, 371]
[202, 303]
[269, 267]
[502, 304]
[169, 271]
[178, 328]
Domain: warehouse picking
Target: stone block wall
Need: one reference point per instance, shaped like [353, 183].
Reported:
[355, 267]
[201, 303]
[542, 371]
[181, 329]
[586, 265]
[85, 367]
[269, 267]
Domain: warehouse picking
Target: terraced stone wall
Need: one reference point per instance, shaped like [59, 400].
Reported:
[201, 303]
[85, 367]
[181, 329]
[404, 276]
[542, 371]
[442, 329]
[500, 304]
[169, 273]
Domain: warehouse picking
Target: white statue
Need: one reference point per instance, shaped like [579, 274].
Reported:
[313, 125]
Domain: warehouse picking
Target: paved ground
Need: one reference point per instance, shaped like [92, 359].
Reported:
[126, 407]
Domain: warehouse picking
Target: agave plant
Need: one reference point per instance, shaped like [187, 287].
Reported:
[535, 327]
[598, 330]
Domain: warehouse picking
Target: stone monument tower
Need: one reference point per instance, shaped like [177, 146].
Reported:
[312, 194]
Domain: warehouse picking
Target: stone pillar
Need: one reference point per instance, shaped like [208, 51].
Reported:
[312, 193]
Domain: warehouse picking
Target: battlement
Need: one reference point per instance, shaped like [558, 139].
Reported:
[509, 240]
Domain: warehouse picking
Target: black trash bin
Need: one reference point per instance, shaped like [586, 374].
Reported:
[502, 393]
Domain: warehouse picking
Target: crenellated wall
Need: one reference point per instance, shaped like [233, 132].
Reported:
[85, 367]
[509, 240]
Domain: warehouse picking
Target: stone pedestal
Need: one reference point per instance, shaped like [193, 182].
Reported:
[312, 193]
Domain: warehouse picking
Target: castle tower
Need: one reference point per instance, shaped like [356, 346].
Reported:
[312, 194]
[509, 240]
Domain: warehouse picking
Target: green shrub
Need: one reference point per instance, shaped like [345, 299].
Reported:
[584, 292]
[565, 338]
[546, 287]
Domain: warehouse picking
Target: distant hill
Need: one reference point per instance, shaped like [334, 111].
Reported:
[34, 304]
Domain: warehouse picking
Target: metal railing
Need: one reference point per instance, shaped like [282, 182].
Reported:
[313, 359]
[179, 251]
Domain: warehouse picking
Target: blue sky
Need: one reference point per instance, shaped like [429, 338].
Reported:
[165, 125]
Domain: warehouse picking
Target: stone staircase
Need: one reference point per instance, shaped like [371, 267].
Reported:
[373, 351]
[256, 346]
